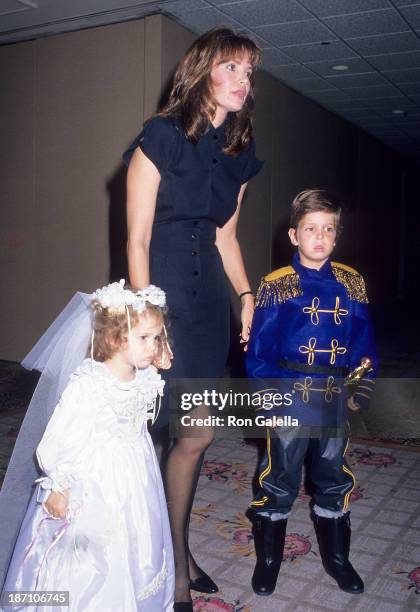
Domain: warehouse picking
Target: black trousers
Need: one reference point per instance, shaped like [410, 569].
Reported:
[280, 472]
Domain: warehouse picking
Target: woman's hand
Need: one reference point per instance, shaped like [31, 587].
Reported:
[230, 252]
[57, 504]
[163, 359]
[247, 314]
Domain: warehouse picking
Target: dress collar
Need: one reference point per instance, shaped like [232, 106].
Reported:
[323, 273]
[147, 379]
[218, 132]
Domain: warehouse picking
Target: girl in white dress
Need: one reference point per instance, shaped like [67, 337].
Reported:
[97, 523]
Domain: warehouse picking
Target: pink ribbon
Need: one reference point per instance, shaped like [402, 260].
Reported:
[57, 537]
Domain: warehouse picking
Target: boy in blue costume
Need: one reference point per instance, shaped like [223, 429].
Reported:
[311, 328]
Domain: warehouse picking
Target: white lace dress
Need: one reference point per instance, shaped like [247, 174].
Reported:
[114, 552]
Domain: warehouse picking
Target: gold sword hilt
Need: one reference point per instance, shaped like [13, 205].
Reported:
[354, 378]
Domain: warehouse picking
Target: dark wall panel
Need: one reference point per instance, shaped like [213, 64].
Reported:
[377, 221]
[311, 148]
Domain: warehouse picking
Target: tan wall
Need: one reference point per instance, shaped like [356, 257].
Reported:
[73, 103]
[70, 106]
[18, 203]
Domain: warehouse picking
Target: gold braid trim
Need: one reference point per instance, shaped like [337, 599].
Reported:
[352, 281]
[278, 287]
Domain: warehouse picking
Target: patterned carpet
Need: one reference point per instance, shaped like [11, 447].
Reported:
[385, 544]
[385, 520]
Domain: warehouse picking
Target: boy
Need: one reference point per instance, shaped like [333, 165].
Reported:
[311, 326]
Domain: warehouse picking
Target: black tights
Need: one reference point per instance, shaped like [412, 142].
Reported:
[183, 467]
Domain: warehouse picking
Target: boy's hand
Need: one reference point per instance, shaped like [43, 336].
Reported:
[352, 405]
[57, 504]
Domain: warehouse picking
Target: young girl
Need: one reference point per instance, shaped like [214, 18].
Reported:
[97, 524]
[188, 171]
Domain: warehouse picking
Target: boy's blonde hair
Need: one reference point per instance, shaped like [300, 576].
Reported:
[313, 200]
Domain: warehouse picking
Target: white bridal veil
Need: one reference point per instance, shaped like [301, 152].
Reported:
[57, 354]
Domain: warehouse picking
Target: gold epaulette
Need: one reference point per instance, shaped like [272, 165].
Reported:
[352, 281]
[278, 287]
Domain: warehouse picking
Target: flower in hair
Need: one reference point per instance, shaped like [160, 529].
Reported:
[152, 294]
[115, 297]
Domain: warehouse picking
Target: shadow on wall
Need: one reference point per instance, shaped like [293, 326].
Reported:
[282, 250]
[117, 226]
[166, 91]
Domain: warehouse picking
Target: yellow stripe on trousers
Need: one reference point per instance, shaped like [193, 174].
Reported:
[265, 472]
[348, 471]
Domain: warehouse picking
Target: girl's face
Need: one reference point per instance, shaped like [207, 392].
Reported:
[144, 344]
[230, 86]
[315, 238]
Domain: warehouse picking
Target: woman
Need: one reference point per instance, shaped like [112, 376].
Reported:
[188, 171]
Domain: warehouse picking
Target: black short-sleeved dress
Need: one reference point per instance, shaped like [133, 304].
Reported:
[198, 192]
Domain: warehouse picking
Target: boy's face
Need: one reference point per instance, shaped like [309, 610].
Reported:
[315, 238]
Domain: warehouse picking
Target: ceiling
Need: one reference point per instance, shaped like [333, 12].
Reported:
[375, 42]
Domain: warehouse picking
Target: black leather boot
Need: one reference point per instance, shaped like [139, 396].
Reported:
[333, 536]
[269, 539]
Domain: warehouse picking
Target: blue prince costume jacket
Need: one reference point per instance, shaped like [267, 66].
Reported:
[310, 329]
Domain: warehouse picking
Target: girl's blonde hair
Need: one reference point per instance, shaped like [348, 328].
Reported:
[110, 327]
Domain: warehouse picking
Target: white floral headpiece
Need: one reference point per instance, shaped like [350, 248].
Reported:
[115, 298]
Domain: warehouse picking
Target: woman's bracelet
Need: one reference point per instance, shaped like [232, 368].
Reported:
[241, 295]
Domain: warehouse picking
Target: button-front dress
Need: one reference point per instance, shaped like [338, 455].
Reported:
[198, 192]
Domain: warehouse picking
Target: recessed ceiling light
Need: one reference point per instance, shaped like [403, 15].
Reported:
[340, 67]
[399, 111]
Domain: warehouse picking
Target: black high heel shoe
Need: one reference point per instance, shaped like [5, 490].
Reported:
[183, 606]
[203, 584]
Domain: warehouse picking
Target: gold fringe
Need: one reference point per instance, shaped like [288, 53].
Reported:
[353, 283]
[279, 290]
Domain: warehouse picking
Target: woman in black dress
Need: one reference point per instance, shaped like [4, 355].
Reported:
[188, 171]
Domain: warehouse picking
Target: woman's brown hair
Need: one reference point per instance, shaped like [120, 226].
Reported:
[191, 99]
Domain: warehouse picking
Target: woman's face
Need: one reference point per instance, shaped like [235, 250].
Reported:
[229, 85]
